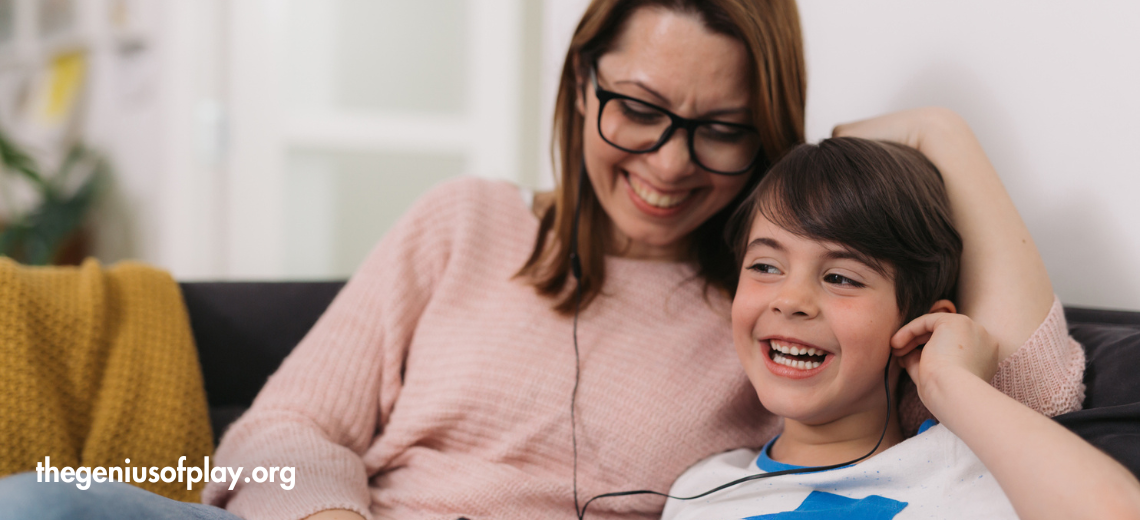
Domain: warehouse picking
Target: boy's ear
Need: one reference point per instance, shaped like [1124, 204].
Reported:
[943, 306]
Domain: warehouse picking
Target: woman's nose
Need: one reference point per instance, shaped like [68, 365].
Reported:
[796, 299]
[672, 162]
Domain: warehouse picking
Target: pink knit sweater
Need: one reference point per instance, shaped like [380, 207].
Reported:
[437, 385]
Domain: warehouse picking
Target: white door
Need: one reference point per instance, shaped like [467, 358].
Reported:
[342, 112]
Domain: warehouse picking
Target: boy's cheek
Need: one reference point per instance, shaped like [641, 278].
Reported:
[747, 309]
[743, 328]
[748, 304]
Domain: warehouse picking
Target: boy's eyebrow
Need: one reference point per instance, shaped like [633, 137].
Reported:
[847, 254]
[764, 241]
[832, 254]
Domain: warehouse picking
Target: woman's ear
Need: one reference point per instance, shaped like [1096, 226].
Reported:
[943, 306]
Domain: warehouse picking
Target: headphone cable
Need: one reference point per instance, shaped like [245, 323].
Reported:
[576, 270]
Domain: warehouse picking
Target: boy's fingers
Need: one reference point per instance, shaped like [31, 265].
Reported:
[915, 333]
[910, 362]
[910, 345]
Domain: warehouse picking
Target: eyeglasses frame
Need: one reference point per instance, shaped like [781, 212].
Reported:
[675, 121]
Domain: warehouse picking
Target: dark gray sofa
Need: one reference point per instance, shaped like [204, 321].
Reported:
[245, 329]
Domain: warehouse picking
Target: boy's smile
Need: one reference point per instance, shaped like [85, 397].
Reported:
[793, 358]
[812, 324]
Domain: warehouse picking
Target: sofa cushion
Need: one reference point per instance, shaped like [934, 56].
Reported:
[1110, 419]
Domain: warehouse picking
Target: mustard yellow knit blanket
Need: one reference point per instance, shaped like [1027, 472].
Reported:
[98, 366]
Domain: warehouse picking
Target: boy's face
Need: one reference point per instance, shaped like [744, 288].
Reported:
[801, 294]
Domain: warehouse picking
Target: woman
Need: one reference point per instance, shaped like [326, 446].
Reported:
[439, 383]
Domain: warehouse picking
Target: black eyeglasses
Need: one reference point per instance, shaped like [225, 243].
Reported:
[634, 126]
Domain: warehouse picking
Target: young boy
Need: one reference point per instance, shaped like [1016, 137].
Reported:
[849, 262]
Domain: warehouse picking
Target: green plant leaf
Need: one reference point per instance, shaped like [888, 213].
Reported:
[15, 159]
[36, 237]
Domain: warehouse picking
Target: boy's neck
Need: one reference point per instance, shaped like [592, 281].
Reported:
[835, 442]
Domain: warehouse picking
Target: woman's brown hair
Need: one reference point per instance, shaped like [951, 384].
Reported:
[770, 32]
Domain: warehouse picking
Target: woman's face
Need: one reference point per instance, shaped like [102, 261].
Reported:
[656, 200]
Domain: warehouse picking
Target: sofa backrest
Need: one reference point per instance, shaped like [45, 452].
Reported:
[244, 330]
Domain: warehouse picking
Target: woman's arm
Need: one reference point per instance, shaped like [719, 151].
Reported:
[1003, 284]
[335, 514]
[1045, 470]
[331, 396]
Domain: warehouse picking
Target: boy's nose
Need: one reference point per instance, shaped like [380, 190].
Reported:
[796, 299]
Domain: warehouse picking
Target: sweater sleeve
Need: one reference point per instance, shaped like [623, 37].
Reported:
[1045, 374]
[320, 411]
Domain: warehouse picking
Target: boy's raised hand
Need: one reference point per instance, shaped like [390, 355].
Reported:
[954, 344]
[1046, 471]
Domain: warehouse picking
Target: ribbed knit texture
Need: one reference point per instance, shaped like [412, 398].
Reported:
[1045, 374]
[437, 385]
[99, 366]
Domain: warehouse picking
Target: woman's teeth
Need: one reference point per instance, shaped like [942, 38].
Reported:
[655, 198]
[781, 353]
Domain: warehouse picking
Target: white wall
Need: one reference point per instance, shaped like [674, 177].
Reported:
[559, 19]
[1051, 87]
[207, 135]
[149, 109]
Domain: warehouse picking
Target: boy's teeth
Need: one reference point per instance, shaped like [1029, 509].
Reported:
[796, 351]
[654, 198]
[802, 365]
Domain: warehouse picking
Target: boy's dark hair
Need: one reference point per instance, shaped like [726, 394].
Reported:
[884, 201]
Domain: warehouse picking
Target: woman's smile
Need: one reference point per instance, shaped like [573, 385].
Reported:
[656, 202]
[654, 197]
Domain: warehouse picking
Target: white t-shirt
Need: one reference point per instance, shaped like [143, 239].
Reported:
[931, 475]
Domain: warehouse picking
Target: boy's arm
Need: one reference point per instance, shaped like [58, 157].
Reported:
[1045, 470]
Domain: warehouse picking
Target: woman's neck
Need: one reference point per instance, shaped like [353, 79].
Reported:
[623, 246]
[835, 442]
[620, 245]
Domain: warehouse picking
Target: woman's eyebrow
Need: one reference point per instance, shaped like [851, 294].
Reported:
[726, 111]
[661, 100]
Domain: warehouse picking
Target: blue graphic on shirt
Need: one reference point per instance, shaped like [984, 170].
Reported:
[765, 462]
[826, 506]
[926, 425]
[820, 505]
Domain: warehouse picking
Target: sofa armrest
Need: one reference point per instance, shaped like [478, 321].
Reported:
[244, 330]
